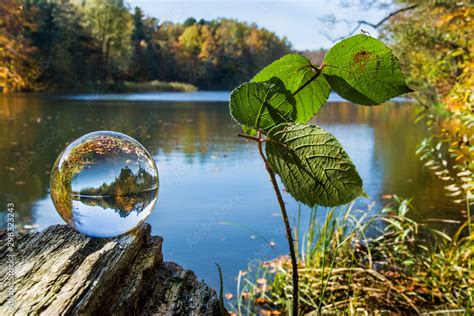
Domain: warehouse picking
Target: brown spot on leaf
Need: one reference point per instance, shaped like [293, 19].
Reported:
[361, 58]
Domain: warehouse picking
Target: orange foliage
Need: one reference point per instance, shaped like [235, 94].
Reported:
[16, 65]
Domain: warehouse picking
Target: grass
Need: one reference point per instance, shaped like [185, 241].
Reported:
[154, 85]
[354, 263]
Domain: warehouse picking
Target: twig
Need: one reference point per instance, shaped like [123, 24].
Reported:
[257, 139]
[385, 19]
[289, 236]
[373, 25]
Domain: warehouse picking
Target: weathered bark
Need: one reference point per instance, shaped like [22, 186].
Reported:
[61, 272]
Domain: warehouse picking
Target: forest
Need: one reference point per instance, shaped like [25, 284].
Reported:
[102, 45]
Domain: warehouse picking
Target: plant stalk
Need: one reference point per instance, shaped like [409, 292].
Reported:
[317, 72]
[289, 235]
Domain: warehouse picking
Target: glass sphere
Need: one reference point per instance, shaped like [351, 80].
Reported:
[104, 184]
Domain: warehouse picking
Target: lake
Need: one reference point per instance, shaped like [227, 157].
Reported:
[215, 203]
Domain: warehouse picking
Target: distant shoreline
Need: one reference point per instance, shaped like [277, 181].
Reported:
[117, 87]
[153, 86]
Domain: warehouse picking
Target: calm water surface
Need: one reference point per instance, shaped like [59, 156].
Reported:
[215, 202]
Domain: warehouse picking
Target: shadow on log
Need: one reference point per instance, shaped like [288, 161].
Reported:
[61, 272]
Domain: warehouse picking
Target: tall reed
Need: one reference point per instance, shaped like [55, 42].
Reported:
[355, 263]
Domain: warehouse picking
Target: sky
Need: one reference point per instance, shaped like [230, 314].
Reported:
[298, 20]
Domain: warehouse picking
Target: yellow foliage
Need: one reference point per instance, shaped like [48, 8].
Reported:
[435, 40]
[15, 65]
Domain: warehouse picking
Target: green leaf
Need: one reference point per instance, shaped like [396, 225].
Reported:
[249, 131]
[295, 70]
[363, 70]
[312, 164]
[262, 105]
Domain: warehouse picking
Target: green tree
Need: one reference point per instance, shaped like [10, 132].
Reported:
[189, 22]
[144, 65]
[111, 25]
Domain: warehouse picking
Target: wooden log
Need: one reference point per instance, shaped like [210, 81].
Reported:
[62, 272]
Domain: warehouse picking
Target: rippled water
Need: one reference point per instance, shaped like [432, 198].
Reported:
[216, 203]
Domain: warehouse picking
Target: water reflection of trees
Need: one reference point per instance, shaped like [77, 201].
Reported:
[125, 183]
[123, 204]
[128, 192]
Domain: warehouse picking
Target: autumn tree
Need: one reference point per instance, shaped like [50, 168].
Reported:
[435, 38]
[61, 42]
[217, 53]
[17, 65]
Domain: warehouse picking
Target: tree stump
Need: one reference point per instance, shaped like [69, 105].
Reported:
[61, 272]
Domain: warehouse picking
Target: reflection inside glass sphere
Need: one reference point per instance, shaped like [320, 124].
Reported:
[104, 184]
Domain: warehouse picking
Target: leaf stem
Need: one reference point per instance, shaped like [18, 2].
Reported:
[317, 72]
[250, 137]
[289, 236]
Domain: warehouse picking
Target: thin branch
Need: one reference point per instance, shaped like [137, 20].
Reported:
[257, 139]
[385, 19]
[289, 235]
[373, 25]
